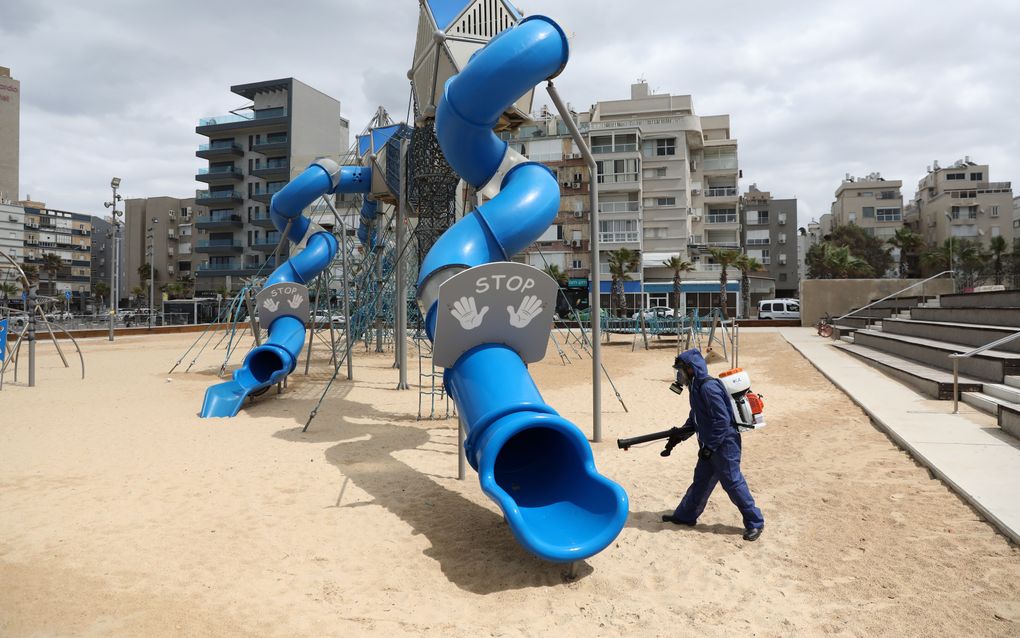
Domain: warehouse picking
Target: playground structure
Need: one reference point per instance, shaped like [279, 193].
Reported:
[29, 321]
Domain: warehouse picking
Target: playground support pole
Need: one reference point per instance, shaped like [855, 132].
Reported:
[595, 306]
[33, 304]
[461, 454]
[400, 338]
[347, 297]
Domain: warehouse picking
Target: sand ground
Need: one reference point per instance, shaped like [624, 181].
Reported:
[124, 514]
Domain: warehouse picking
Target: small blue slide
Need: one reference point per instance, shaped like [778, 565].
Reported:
[536, 465]
[270, 362]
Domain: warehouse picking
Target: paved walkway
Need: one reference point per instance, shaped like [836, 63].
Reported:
[966, 450]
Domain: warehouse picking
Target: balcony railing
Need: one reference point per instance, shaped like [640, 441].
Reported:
[614, 148]
[617, 178]
[724, 218]
[218, 243]
[619, 207]
[619, 238]
[233, 118]
[220, 266]
[216, 170]
[725, 191]
[261, 219]
[218, 217]
[205, 195]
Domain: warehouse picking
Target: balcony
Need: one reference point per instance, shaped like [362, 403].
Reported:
[261, 219]
[271, 144]
[219, 220]
[721, 191]
[219, 174]
[219, 150]
[219, 246]
[266, 244]
[267, 171]
[264, 195]
[219, 270]
[611, 148]
[618, 181]
[721, 218]
[619, 207]
[234, 121]
[218, 198]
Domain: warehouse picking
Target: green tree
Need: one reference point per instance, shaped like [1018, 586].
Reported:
[622, 262]
[8, 290]
[747, 265]
[999, 248]
[102, 289]
[678, 266]
[557, 275]
[908, 242]
[51, 263]
[145, 271]
[725, 257]
[863, 246]
[139, 294]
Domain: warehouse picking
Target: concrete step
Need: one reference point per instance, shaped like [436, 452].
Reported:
[970, 334]
[1009, 419]
[980, 315]
[847, 338]
[1004, 392]
[997, 299]
[990, 365]
[933, 382]
[860, 321]
[1013, 381]
[987, 403]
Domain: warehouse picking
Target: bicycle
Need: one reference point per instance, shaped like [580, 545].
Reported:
[824, 326]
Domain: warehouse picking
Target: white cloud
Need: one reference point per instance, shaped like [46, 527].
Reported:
[814, 90]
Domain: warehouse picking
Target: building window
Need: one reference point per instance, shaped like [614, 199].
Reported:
[888, 215]
[782, 259]
[759, 217]
[956, 176]
[868, 211]
[782, 276]
[996, 231]
[665, 147]
[658, 300]
[865, 194]
[722, 216]
[665, 201]
[575, 264]
[618, 230]
[757, 238]
[976, 177]
[993, 211]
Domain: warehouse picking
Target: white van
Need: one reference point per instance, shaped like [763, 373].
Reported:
[779, 309]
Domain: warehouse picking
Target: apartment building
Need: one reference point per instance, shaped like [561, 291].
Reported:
[807, 237]
[102, 258]
[12, 232]
[565, 244]
[961, 201]
[769, 234]
[171, 221]
[252, 152]
[67, 235]
[872, 203]
[10, 133]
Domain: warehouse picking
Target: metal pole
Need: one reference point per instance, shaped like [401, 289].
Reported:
[596, 315]
[380, 255]
[461, 454]
[401, 294]
[956, 385]
[113, 273]
[33, 304]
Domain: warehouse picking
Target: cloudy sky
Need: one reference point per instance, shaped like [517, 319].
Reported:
[814, 89]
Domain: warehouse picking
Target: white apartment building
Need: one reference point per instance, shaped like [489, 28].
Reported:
[961, 201]
[12, 232]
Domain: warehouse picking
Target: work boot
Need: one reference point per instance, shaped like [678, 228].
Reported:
[752, 533]
[669, 518]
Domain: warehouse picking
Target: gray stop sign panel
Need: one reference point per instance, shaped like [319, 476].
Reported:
[502, 302]
[282, 299]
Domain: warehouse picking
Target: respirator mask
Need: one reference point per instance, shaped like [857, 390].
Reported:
[681, 379]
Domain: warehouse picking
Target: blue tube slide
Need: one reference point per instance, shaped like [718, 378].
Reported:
[536, 465]
[277, 357]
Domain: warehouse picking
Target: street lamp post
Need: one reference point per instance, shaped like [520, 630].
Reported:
[151, 254]
[114, 184]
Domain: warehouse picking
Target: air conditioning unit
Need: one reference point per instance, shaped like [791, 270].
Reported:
[565, 184]
[578, 214]
[169, 270]
[695, 191]
[576, 243]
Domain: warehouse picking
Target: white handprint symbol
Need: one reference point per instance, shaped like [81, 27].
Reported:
[270, 305]
[531, 307]
[294, 301]
[467, 314]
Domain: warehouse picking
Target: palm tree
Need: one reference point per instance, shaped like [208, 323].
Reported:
[998, 248]
[678, 265]
[102, 289]
[841, 264]
[908, 242]
[557, 275]
[138, 293]
[51, 263]
[144, 272]
[7, 289]
[746, 265]
[622, 261]
[725, 258]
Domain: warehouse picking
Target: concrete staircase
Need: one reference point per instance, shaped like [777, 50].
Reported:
[911, 338]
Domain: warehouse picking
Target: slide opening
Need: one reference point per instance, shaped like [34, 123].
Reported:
[543, 470]
[263, 363]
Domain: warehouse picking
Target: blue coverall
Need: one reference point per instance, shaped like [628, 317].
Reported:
[712, 416]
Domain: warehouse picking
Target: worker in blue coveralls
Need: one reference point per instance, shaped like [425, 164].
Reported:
[719, 448]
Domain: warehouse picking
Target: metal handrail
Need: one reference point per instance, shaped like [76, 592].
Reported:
[956, 356]
[895, 294]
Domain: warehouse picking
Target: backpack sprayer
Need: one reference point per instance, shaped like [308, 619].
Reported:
[748, 412]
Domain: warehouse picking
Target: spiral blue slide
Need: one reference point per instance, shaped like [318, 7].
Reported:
[536, 465]
[270, 362]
